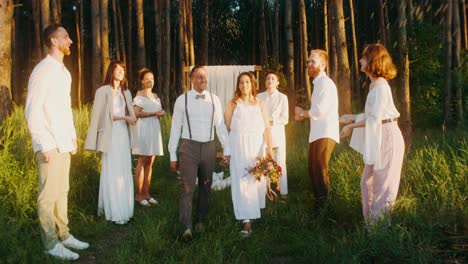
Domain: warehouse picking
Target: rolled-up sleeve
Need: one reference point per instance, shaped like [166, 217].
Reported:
[220, 125]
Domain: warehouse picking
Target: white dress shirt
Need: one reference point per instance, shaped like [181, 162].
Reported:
[277, 106]
[323, 113]
[379, 106]
[199, 112]
[48, 107]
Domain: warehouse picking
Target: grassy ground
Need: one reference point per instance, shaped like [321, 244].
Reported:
[429, 223]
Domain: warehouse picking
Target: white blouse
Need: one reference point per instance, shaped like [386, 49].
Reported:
[379, 106]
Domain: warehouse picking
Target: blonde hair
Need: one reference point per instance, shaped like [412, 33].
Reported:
[379, 62]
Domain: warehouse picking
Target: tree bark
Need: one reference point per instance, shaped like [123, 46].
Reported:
[276, 37]
[96, 46]
[79, 55]
[55, 7]
[105, 58]
[448, 64]
[343, 77]
[181, 34]
[141, 53]
[37, 46]
[325, 27]
[356, 86]
[465, 24]
[383, 30]
[263, 39]
[290, 57]
[457, 67]
[45, 20]
[130, 42]
[6, 17]
[115, 30]
[121, 35]
[159, 35]
[205, 33]
[190, 32]
[403, 77]
[167, 54]
[410, 12]
[304, 48]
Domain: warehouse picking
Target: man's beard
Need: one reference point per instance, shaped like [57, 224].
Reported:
[313, 71]
[65, 50]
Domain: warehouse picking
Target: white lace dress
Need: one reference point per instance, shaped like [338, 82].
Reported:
[149, 129]
[116, 197]
[246, 141]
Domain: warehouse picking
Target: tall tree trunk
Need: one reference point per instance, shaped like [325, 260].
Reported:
[190, 32]
[383, 30]
[79, 55]
[55, 7]
[356, 85]
[332, 56]
[325, 27]
[141, 53]
[115, 30]
[185, 34]
[96, 46]
[17, 46]
[37, 46]
[448, 65]
[457, 67]
[276, 37]
[180, 70]
[159, 36]
[403, 77]
[410, 14]
[343, 78]
[121, 35]
[290, 57]
[45, 20]
[205, 33]
[465, 24]
[167, 54]
[130, 42]
[105, 58]
[263, 39]
[304, 48]
[6, 17]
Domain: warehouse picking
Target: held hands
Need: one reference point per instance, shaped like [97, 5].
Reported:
[160, 113]
[347, 118]
[299, 113]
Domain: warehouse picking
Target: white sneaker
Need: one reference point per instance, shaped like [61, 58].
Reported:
[74, 243]
[61, 252]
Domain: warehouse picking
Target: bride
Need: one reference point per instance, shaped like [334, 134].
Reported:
[246, 118]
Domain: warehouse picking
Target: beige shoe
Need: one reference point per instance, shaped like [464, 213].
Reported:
[187, 235]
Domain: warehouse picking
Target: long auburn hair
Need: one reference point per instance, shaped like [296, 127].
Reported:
[379, 62]
[109, 80]
[253, 90]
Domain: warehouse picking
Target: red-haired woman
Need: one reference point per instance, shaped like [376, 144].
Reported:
[380, 139]
[249, 128]
[111, 132]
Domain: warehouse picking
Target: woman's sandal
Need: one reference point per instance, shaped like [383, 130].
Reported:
[246, 230]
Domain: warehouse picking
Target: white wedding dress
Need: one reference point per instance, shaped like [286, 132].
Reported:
[246, 141]
[116, 198]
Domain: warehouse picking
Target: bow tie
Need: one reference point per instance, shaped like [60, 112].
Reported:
[200, 96]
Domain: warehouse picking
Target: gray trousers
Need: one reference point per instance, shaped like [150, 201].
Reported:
[196, 160]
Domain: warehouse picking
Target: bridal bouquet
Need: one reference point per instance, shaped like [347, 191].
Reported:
[269, 168]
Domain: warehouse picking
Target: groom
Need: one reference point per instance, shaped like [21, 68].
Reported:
[196, 114]
[50, 122]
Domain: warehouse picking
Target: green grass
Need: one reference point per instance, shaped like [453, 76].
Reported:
[428, 222]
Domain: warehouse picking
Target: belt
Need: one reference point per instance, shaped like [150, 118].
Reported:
[394, 119]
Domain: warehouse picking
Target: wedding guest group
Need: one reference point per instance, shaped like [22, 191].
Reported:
[197, 115]
[376, 136]
[50, 122]
[112, 132]
[148, 110]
